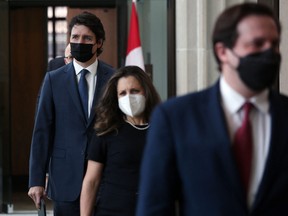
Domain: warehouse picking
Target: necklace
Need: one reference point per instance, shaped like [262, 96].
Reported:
[138, 128]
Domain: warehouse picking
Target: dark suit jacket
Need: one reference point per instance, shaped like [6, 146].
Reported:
[55, 63]
[52, 65]
[61, 133]
[188, 157]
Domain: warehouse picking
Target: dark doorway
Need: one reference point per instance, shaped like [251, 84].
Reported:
[24, 39]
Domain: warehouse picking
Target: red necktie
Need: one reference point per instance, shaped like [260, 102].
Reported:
[243, 146]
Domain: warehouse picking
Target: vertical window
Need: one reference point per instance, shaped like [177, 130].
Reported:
[57, 31]
[153, 26]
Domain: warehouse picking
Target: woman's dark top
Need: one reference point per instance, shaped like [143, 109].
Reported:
[121, 155]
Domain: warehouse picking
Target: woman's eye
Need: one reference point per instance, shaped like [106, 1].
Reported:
[134, 91]
[122, 93]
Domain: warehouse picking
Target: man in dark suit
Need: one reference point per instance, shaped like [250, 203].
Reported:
[63, 123]
[56, 63]
[194, 154]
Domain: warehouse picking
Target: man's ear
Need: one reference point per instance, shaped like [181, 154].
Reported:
[221, 51]
[99, 43]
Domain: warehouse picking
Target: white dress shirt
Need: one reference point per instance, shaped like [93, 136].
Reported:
[91, 78]
[260, 119]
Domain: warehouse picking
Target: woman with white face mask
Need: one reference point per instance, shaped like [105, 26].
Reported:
[115, 152]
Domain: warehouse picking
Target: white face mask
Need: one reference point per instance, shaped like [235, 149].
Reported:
[132, 104]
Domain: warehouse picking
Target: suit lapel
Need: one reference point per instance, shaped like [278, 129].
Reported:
[219, 132]
[72, 87]
[278, 147]
[101, 80]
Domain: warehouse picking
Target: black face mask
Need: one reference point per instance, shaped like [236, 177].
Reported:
[259, 70]
[81, 52]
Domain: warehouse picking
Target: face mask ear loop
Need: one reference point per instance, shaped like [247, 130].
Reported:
[237, 56]
[96, 49]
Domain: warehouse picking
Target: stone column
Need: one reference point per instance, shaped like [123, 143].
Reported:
[283, 80]
[195, 65]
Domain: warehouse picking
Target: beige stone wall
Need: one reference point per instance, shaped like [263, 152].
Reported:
[195, 65]
[284, 46]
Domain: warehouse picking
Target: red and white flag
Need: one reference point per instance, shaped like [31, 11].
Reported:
[134, 55]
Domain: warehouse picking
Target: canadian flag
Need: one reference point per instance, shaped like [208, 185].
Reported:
[134, 55]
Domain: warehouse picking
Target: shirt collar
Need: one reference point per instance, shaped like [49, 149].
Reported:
[91, 68]
[233, 101]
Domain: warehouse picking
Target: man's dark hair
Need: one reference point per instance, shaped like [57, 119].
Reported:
[93, 23]
[225, 29]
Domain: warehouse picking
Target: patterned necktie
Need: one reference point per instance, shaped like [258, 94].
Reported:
[83, 91]
[243, 147]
